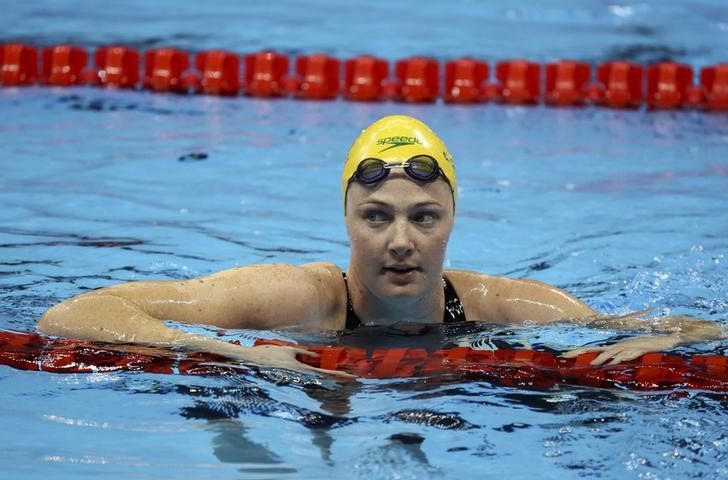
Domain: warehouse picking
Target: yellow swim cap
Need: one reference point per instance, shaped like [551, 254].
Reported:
[397, 138]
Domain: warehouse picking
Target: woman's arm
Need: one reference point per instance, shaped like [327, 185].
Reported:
[265, 296]
[505, 300]
[676, 330]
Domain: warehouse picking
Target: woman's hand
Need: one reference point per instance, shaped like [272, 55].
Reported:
[679, 329]
[627, 349]
[273, 356]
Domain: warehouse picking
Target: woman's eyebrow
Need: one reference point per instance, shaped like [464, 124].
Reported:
[382, 203]
[427, 203]
[375, 201]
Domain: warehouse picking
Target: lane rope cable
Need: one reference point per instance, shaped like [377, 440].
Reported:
[509, 367]
[566, 83]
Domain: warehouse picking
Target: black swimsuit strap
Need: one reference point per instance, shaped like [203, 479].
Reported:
[352, 320]
[454, 311]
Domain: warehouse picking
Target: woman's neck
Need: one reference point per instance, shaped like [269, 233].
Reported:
[373, 309]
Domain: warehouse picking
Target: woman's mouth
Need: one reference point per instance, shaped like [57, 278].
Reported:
[401, 273]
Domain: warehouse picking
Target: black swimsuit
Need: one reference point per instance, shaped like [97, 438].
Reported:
[453, 313]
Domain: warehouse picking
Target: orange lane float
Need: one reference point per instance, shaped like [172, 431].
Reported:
[517, 368]
[213, 72]
[63, 65]
[116, 66]
[164, 69]
[219, 73]
[465, 81]
[519, 82]
[18, 65]
[668, 84]
[364, 78]
[265, 74]
[418, 80]
[619, 85]
[614, 84]
[714, 82]
[566, 83]
[317, 77]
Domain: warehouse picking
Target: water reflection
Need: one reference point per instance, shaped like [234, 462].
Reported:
[230, 405]
[230, 444]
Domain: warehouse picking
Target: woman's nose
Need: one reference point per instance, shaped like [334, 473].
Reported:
[401, 244]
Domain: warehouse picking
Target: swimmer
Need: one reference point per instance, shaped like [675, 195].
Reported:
[399, 193]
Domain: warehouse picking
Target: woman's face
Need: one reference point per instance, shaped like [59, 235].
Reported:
[398, 231]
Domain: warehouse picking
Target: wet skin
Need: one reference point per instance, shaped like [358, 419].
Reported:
[398, 231]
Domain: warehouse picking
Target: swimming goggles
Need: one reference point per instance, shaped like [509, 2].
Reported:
[423, 168]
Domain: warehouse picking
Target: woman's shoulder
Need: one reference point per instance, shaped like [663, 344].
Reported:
[325, 269]
[311, 295]
[275, 272]
[470, 278]
[477, 292]
[487, 297]
[499, 286]
[322, 279]
[328, 281]
[508, 300]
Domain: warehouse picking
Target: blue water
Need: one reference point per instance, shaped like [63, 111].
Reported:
[626, 210]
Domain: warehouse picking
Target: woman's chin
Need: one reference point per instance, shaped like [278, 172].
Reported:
[401, 289]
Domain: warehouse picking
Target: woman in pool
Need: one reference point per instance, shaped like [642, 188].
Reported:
[399, 190]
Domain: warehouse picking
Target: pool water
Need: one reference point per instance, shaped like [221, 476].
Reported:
[625, 209]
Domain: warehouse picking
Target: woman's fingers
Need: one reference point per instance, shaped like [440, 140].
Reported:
[604, 356]
[626, 350]
[308, 353]
[293, 363]
[335, 373]
[617, 355]
[626, 356]
[301, 351]
[578, 351]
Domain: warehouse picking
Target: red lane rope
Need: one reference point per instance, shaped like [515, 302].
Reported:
[617, 84]
[518, 368]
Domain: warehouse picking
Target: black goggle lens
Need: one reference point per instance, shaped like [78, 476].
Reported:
[422, 167]
[371, 170]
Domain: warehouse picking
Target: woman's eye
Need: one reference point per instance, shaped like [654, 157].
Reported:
[425, 217]
[376, 216]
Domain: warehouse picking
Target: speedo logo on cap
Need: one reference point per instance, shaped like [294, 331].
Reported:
[394, 142]
[448, 157]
